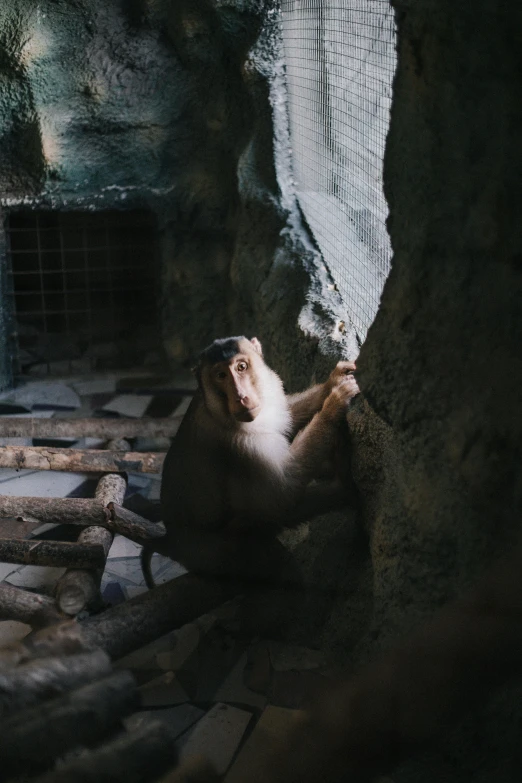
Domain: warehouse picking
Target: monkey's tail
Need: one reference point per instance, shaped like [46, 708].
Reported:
[145, 559]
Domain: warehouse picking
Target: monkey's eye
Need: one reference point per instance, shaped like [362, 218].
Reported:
[221, 375]
[242, 366]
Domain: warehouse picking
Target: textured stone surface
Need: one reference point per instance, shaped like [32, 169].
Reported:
[438, 451]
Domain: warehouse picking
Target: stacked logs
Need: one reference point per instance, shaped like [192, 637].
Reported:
[62, 708]
[99, 517]
[61, 702]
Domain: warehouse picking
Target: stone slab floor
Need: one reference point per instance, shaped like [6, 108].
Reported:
[204, 679]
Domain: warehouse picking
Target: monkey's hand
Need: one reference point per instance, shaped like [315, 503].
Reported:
[339, 374]
[339, 398]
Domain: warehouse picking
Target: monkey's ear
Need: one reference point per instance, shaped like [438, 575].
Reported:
[257, 345]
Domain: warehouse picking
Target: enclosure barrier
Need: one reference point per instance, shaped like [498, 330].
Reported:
[340, 60]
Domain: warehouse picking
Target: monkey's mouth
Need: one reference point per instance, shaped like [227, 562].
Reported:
[247, 414]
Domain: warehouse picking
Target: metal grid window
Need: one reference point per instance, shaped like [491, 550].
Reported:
[87, 277]
[340, 61]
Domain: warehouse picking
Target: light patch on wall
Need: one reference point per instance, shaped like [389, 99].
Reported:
[50, 145]
[37, 46]
[52, 127]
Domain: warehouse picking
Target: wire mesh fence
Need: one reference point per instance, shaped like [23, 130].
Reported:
[340, 62]
[83, 284]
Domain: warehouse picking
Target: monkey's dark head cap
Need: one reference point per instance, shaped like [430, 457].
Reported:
[220, 350]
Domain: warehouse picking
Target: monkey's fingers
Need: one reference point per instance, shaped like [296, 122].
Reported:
[339, 398]
[341, 371]
[349, 387]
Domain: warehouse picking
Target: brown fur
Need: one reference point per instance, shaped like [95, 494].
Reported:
[235, 474]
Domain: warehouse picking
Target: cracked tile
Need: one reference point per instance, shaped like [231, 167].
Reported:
[46, 395]
[273, 724]
[8, 568]
[233, 688]
[12, 631]
[123, 547]
[133, 405]
[40, 483]
[217, 736]
[179, 718]
[87, 386]
[41, 578]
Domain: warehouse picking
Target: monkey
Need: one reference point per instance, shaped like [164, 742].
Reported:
[241, 466]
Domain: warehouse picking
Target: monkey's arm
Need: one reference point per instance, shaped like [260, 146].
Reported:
[315, 500]
[304, 405]
[314, 445]
[283, 498]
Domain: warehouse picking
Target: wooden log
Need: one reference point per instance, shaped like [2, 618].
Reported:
[61, 511]
[52, 553]
[53, 641]
[31, 608]
[148, 616]
[34, 737]
[59, 640]
[80, 460]
[132, 525]
[44, 678]
[77, 589]
[89, 428]
[139, 757]
[80, 511]
[110, 489]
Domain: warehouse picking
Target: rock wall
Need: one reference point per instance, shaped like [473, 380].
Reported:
[438, 452]
[133, 105]
[168, 106]
[436, 438]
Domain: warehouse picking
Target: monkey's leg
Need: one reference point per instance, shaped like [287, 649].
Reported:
[249, 555]
[274, 594]
[319, 499]
[315, 444]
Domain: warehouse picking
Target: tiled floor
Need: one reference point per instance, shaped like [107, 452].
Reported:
[206, 681]
[96, 395]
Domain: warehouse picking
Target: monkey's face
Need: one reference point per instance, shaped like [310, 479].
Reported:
[232, 387]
